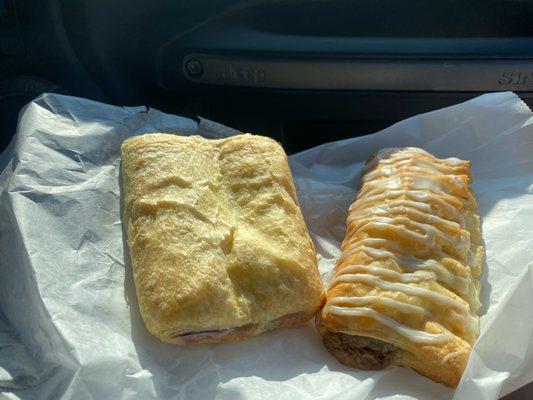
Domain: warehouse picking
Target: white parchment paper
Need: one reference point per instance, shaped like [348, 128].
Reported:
[71, 326]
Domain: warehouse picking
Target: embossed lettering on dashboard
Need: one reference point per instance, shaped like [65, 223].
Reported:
[235, 73]
[516, 78]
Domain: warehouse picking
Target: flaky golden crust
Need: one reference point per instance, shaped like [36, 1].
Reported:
[407, 273]
[216, 237]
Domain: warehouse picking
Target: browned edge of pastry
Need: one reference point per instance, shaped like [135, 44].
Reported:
[234, 334]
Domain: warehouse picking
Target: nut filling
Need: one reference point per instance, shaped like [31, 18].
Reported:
[359, 351]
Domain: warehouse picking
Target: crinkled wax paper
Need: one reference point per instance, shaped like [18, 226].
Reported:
[71, 326]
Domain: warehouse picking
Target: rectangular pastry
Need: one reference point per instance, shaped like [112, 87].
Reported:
[218, 245]
[405, 289]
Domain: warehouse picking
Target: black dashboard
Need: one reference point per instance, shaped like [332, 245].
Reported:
[304, 72]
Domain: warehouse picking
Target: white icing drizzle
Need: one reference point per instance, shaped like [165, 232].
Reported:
[415, 182]
[415, 195]
[411, 198]
[365, 300]
[436, 186]
[410, 208]
[471, 321]
[393, 155]
[414, 335]
[453, 354]
[454, 282]
[422, 233]
[395, 224]
[453, 161]
[401, 287]
[427, 196]
[389, 273]
[394, 169]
